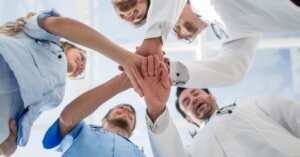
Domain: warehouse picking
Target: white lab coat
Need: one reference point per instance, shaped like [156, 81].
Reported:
[159, 22]
[243, 22]
[260, 127]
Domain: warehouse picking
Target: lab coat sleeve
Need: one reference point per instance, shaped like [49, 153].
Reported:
[164, 137]
[229, 67]
[162, 16]
[284, 111]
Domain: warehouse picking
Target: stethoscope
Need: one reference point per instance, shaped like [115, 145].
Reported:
[222, 111]
[43, 43]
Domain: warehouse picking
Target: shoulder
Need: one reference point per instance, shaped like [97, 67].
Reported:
[34, 30]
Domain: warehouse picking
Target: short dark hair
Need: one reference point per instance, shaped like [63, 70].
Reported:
[108, 113]
[178, 92]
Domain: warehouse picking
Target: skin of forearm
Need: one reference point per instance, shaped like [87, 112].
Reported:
[82, 34]
[88, 102]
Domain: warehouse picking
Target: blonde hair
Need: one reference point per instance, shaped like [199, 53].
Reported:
[13, 28]
[67, 45]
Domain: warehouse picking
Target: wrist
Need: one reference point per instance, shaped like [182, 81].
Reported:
[127, 59]
[123, 82]
[154, 113]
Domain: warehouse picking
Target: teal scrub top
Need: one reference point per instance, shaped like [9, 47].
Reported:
[91, 141]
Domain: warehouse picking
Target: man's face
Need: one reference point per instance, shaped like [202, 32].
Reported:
[197, 104]
[188, 26]
[122, 116]
[132, 11]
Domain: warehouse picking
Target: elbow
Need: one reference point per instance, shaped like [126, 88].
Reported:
[52, 24]
[238, 75]
[66, 119]
[239, 69]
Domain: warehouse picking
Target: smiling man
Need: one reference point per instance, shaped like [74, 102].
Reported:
[195, 105]
[75, 138]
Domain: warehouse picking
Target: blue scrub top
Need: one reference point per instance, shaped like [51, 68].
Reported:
[32, 56]
[91, 141]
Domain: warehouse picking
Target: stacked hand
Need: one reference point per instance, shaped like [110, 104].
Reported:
[151, 46]
[155, 83]
[9, 146]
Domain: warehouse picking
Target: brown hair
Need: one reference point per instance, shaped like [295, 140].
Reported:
[124, 5]
[13, 28]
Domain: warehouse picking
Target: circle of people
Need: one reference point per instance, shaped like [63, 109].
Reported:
[35, 61]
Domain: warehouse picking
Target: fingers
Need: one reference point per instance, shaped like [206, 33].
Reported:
[137, 74]
[171, 81]
[150, 66]
[134, 82]
[156, 65]
[165, 79]
[144, 67]
[167, 61]
[139, 80]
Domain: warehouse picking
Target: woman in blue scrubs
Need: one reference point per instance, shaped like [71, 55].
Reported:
[33, 66]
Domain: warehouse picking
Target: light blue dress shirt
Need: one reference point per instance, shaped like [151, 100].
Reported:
[39, 65]
[91, 141]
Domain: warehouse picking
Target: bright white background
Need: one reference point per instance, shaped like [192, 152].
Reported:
[275, 71]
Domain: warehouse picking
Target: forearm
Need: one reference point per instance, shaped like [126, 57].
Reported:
[88, 102]
[229, 67]
[82, 34]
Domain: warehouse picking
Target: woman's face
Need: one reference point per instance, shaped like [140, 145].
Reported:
[133, 14]
[76, 62]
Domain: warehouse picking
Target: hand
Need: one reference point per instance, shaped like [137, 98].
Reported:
[155, 83]
[134, 60]
[167, 62]
[125, 82]
[9, 146]
[152, 46]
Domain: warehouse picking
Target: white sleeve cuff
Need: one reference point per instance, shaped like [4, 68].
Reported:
[160, 124]
[158, 30]
[178, 73]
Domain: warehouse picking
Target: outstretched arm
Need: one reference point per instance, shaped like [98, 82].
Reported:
[229, 67]
[82, 34]
[156, 84]
[88, 102]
